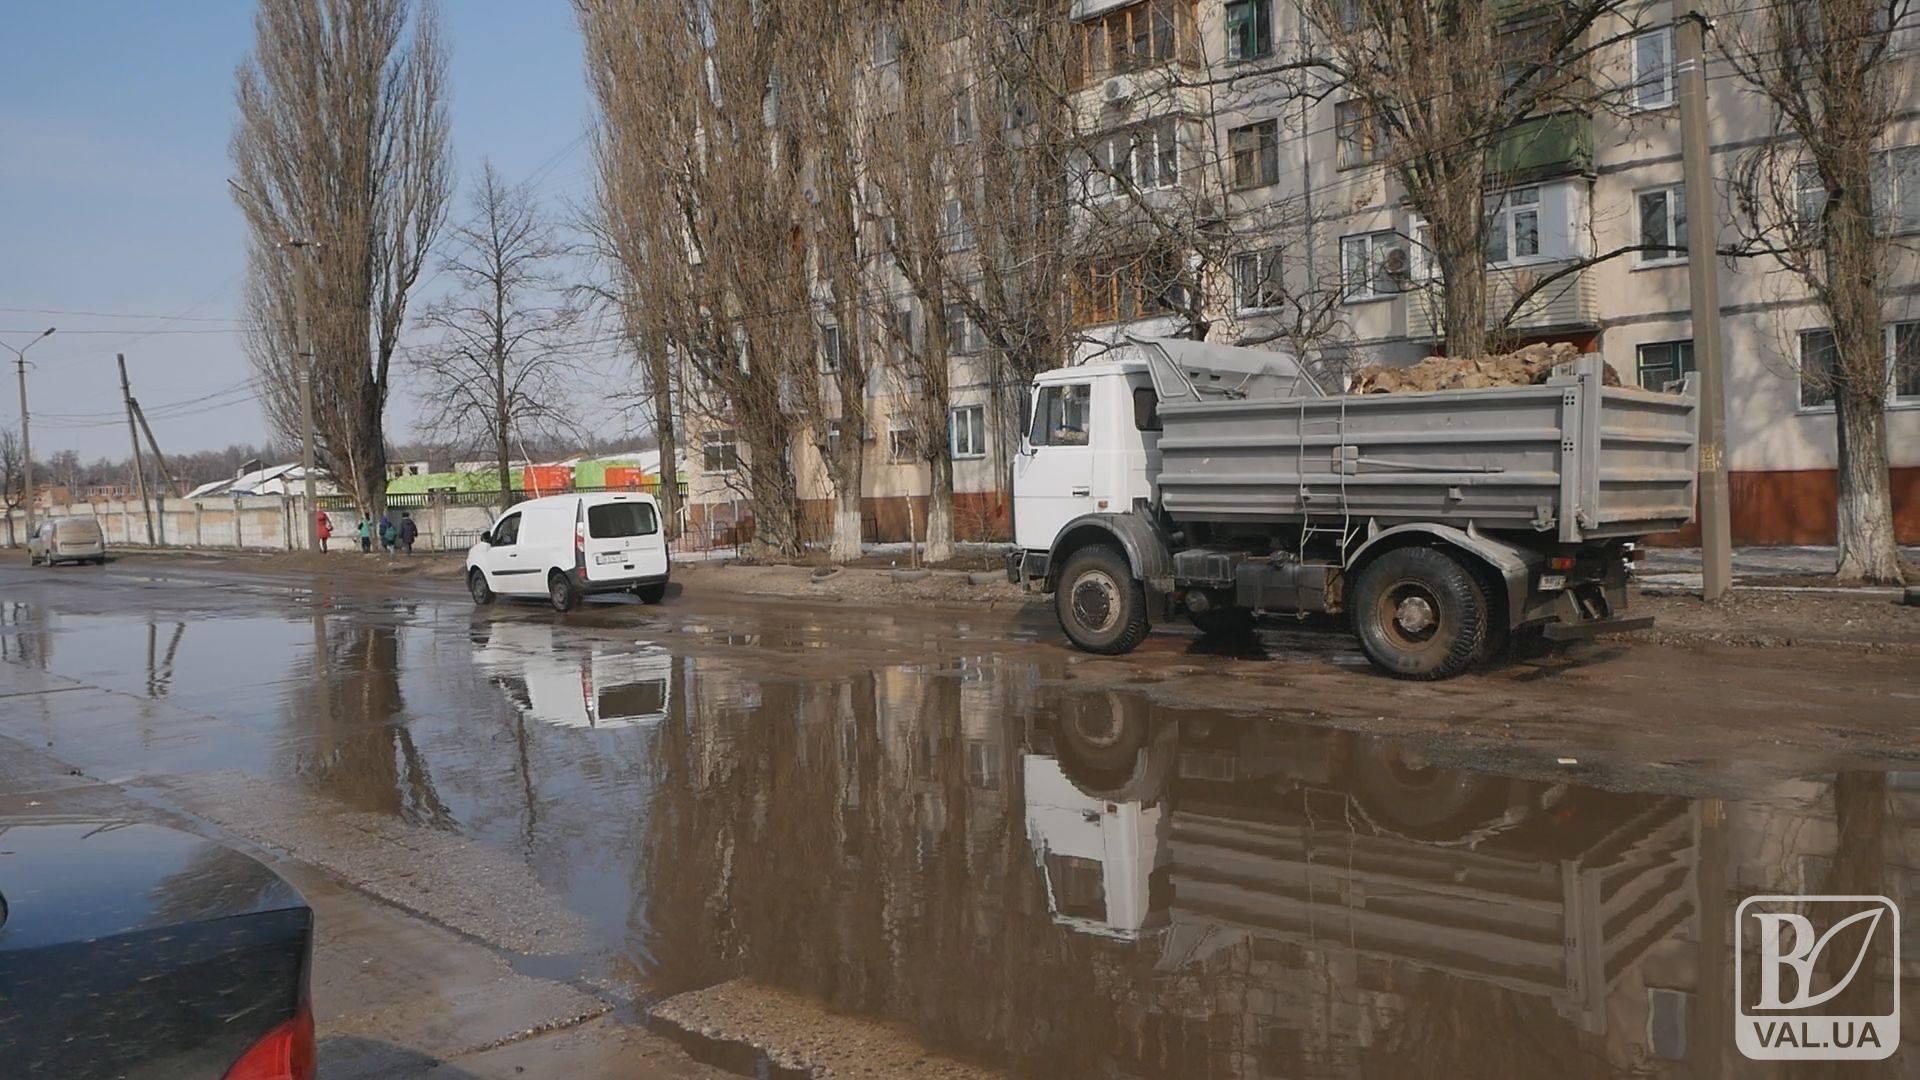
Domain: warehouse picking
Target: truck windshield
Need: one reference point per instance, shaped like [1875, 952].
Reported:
[1061, 415]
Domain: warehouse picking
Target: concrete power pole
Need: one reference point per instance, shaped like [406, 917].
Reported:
[304, 335]
[1703, 274]
[139, 466]
[26, 439]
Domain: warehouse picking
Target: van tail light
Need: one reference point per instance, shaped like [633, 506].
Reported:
[580, 548]
[285, 1053]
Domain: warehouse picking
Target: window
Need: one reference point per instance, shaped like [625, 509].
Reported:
[1513, 227]
[1137, 36]
[1809, 194]
[1652, 69]
[1255, 150]
[836, 430]
[962, 120]
[1146, 409]
[1817, 355]
[1128, 287]
[903, 445]
[719, 453]
[967, 431]
[1249, 29]
[505, 534]
[1368, 265]
[1061, 415]
[1663, 362]
[1906, 360]
[1663, 223]
[1256, 280]
[1896, 189]
[833, 349]
[963, 334]
[1145, 157]
[901, 327]
[958, 234]
[1360, 136]
[616, 520]
[886, 44]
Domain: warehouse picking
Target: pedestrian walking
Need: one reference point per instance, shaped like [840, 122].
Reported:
[389, 536]
[409, 532]
[324, 526]
[366, 535]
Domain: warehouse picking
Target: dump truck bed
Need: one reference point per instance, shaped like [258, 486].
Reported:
[1570, 458]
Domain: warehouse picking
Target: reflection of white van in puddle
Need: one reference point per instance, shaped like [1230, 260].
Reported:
[597, 689]
[565, 547]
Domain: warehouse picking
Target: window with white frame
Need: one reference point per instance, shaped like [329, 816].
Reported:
[1249, 29]
[833, 349]
[1663, 224]
[1820, 357]
[967, 431]
[963, 334]
[901, 328]
[1894, 183]
[1256, 279]
[836, 430]
[1513, 227]
[1653, 69]
[1367, 269]
[1658, 363]
[1358, 131]
[958, 233]
[903, 445]
[1145, 157]
[719, 451]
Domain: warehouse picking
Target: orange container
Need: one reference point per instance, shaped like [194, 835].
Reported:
[547, 479]
[626, 477]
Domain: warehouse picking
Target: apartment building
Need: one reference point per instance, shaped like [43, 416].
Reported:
[1182, 118]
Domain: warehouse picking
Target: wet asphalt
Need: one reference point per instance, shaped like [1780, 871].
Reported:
[1185, 864]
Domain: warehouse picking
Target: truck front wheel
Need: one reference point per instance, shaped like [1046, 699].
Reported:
[1102, 608]
[1419, 613]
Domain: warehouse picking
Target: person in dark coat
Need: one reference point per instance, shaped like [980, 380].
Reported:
[409, 532]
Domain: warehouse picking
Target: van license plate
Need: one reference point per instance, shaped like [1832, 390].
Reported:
[606, 557]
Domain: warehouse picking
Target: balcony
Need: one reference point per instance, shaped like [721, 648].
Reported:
[1569, 303]
[1545, 146]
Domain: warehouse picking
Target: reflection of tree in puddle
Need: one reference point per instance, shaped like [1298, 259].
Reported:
[349, 737]
[23, 636]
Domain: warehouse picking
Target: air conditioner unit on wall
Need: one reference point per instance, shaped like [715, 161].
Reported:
[1118, 91]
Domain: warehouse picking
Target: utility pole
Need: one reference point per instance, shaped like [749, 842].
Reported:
[133, 435]
[153, 444]
[1703, 278]
[26, 440]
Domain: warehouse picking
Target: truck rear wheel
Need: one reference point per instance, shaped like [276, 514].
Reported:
[1102, 608]
[1419, 613]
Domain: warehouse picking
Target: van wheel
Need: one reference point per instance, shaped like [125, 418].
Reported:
[477, 586]
[1101, 606]
[1419, 613]
[651, 594]
[561, 593]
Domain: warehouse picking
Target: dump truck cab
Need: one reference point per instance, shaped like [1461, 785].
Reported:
[1091, 440]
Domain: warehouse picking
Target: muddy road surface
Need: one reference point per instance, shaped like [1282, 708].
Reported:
[941, 825]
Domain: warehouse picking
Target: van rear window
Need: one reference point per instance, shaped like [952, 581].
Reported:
[611, 521]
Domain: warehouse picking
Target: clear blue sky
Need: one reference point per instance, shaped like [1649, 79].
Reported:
[114, 120]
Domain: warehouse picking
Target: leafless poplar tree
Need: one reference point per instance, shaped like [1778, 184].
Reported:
[1817, 199]
[13, 466]
[341, 142]
[504, 345]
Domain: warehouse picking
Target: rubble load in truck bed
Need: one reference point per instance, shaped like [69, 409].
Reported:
[1528, 366]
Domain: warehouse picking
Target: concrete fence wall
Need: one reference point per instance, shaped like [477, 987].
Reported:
[251, 523]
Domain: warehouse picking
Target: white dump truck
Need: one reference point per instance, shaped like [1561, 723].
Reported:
[1180, 477]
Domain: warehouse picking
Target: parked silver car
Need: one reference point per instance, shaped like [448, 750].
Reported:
[67, 539]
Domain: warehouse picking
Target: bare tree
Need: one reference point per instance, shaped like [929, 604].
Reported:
[504, 346]
[1816, 198]
[341, 143]
[13, 478]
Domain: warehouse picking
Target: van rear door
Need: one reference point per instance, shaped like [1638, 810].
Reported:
[623, 539]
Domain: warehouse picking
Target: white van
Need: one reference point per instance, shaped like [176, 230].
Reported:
[565, 547]
[67, 539]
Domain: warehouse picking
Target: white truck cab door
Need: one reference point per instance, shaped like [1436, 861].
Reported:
[1053, 477]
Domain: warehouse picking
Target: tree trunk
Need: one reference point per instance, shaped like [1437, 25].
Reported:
[771, 493]
[506, 466]
[669, 468]
[1461, 255]
[847, 525]
[939, 545]
[1863, 505]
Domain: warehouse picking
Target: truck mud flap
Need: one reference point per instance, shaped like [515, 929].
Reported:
[1578, 631]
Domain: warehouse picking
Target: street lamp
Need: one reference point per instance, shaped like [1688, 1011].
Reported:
[26, 441]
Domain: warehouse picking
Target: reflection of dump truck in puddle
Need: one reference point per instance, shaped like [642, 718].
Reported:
[605, 686]
[1204, 833]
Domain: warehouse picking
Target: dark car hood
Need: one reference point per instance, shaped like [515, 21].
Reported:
[69, 880]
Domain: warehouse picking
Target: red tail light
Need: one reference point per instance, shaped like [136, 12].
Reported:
[285, 1053]
[580, 548]
[1560, 562]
